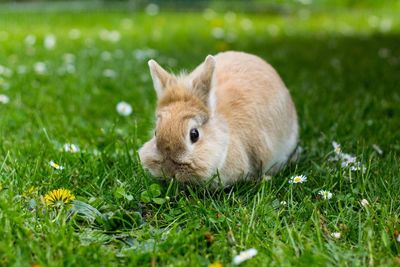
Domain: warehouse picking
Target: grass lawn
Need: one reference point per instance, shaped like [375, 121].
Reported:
[63, 73]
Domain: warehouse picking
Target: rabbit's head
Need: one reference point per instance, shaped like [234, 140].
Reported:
[190, 140]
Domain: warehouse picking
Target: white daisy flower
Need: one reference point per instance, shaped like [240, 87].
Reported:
[346, 160]
[230, 16]
[55, 165]
[40, 68]
[152, 9]
[5, 85]
[364, 202]
[22, 69]
[4, 99]
[103, 34]
[111, 36]
[72, 148]
[244, 256]
[124, 109]
[50, 41]
[218, 33]
[385, 25]
[398, 238]
[246, 24]
[106, 56]
[5, 71]
[383, 52]
[145, 53]
[325, 194]
[109, 73]
[30, 40]
[69, 58]
[358, 167]
[298, 179]
[70, 68]
[336, 235]
[74, 34]
[336, 147]
[267, 178]
[283, 203]
[126, 23]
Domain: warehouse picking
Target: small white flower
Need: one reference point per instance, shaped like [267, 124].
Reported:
[111, 36]
[106, 56]
[22, 69]
[283, 203]
[349, 159]
[69, 58]
[72, 148]
[384, 52]
[386, 25]
[55, 165]
[30, 40]
[4, 99]
[126, 23]
[364, 202]
[103, 34]
[398, 238]
[218, 33]
[230, 16]
[109, 73]
[358, 167]
[5, 71]
[346, 160]
[336, 235]
[49, 41]
[74, 34]
[298, 179]
[40, 68]
[246, 24]
[152, 9]
[69, 68]
[325, 194]
[5, 85]
[244, 256]
[267, 178]
[124, 109]
[336, 147]
[145, 53]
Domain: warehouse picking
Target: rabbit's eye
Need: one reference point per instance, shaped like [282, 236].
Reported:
[194, 135]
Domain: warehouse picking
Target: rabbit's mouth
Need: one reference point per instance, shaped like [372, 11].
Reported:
[180, 170]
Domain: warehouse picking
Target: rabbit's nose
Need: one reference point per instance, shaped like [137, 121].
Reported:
[166, 149]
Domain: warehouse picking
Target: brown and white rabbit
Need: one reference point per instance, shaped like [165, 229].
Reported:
[231, 116]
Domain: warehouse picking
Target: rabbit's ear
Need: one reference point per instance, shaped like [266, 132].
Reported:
[202, 83]
[160, 77]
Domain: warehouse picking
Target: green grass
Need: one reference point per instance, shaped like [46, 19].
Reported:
[342, 69]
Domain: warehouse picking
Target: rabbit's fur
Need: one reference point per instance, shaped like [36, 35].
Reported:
[244, 115]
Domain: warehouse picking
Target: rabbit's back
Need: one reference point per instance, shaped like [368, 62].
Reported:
[259, 112]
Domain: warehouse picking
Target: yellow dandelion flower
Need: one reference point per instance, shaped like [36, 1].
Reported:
[58, 197]
[215, 264]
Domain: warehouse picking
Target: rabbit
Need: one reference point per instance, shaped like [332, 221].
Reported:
[230, 119]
